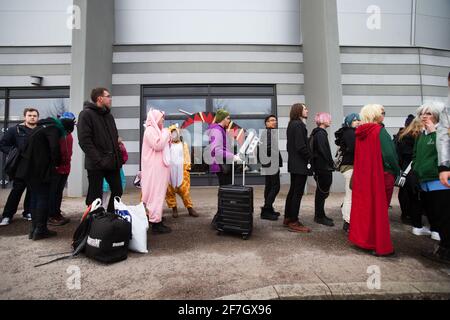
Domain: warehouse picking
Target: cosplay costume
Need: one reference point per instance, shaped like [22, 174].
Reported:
[180, 167]
[369, 228]
[155, 164]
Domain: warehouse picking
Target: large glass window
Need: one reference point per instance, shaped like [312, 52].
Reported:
[247, 104]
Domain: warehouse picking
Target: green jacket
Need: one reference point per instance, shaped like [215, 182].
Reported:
[425, 158]
[390, 159]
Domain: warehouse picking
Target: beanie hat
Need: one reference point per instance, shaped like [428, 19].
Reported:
[221, 114]
[350, 118]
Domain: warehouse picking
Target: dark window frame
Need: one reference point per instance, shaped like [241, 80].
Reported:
[179, 91]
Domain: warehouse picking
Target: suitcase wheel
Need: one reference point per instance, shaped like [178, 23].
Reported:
[245, 236]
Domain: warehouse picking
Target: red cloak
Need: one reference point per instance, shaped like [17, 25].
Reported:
[369, 219]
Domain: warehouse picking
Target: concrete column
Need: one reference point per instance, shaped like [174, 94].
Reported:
[321, 65]
[92, 49]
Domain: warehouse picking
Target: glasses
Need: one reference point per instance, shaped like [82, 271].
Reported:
[383, 113]
[426, 114]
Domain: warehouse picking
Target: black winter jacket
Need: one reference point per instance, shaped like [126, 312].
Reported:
[16, 136]
[404, 148]
[42, 154]
[346, 139]
[299, 154]
[322, 158]
[98, 138]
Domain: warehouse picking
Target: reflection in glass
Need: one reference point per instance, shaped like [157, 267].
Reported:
[2, 110]
[244, 106]
[171, 106]
[47, 107]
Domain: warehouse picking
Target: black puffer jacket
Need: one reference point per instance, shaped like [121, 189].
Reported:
[322, 159]
[98, 138]
[16, 136]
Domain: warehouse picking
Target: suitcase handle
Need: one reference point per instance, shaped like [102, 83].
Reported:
[243, 173]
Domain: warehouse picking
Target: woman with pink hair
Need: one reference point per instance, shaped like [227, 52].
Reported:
[323, 166]
[155, 166]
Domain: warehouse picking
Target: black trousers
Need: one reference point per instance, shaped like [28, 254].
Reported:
[436, 209]
[294, 197]
[40, 193]
[323, 181]
[56, 194]
[18, 187]
[271, 190]
[95, 189]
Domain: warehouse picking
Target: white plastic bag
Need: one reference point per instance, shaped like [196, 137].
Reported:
[139, 224]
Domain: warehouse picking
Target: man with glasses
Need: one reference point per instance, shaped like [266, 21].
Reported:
[270, 169]
[98, 138]
[17, 136]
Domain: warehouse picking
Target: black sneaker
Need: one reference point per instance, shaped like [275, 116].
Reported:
[160, 228]
[325, 221]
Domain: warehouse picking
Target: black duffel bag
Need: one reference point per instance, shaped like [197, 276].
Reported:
[109, 236]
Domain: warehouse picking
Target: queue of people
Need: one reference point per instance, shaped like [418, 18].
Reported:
[367, 157]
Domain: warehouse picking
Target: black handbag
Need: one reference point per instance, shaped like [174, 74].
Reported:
[12, 162]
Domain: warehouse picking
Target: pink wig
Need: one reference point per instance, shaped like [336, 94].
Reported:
[322, 117]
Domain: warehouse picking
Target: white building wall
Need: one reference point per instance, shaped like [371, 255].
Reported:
[433, 24]
[35, 23]
[207, 22]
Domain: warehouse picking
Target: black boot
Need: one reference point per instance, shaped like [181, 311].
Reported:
[39, 217]
[33, 227]
[346, 227]
[268, 214]
[324, 220]
[160, 228]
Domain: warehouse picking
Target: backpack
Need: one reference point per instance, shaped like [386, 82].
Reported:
[338, 157]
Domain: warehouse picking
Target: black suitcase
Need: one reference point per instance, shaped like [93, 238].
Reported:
[235, 209]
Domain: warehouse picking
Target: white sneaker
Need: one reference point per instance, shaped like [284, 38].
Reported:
[27, 216]
[424, 231]
[5, 221]
[435, 236]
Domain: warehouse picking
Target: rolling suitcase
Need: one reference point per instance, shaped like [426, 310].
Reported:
[235, 208]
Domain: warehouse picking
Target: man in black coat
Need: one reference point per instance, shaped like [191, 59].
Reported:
[17, 136]
[323, 166]
[37, 167]
[98, 138]
[270, 169]
[299, 166]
